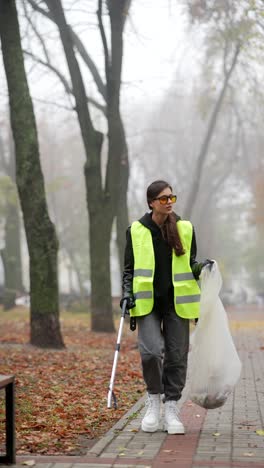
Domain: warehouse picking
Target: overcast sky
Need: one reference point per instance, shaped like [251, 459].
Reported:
[155, 41]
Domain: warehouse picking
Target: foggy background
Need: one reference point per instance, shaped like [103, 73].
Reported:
[175, 61]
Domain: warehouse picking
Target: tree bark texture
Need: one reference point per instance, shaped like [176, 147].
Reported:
[40, 232]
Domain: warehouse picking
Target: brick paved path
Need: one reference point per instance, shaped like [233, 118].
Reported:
[220, 438]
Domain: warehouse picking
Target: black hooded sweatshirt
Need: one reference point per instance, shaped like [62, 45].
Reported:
[163, 286]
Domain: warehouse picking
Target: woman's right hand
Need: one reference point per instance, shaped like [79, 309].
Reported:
[130, 301]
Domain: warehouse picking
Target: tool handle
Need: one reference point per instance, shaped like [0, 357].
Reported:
[112, 380]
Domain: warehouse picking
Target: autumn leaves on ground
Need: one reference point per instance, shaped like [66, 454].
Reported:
[61, 396]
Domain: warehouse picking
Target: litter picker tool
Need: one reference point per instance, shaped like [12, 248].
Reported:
[112, 380]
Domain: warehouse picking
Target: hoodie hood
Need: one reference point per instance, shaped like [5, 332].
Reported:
[148, 222]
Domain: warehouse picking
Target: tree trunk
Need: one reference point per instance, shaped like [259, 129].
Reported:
[118, 170]
[40, 232]
[122, 223]
[11, 256]
[115, 192]
[99, 226]
[101, 297]
[74, 267]
[122, 220]
[207, 139]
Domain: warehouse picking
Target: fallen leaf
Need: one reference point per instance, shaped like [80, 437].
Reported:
[134, 430]
[216, 434]
[29, 462]
[260, 432]
[248, 423]
[61, 395]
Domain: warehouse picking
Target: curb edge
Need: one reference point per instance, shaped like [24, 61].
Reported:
[107, 438]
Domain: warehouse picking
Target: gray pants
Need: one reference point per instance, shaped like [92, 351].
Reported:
[163, 340]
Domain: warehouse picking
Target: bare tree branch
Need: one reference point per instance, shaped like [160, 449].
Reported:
[80, 47]
[104, 41]
[63, 80]
[208, 135]
[97, 105]
[225, 58]
[36, 32]
[41, 10]
[89, 63]
[52, 68]
[52, 103]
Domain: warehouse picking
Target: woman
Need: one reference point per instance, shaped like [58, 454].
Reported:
[160, 287]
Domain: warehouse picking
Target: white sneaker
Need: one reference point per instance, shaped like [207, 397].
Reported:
[172, 423]
[151, 420]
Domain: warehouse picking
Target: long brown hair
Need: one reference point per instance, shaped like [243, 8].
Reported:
[169, 229]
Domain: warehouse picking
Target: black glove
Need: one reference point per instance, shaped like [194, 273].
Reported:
[130, 302]
[208, 263]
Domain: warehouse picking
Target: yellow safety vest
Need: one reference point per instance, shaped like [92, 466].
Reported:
[186, 289]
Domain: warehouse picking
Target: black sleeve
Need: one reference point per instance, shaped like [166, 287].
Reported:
[127, 283]
[195, 266]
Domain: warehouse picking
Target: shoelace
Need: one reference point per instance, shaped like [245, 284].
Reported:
[173, 408]
[152, 403]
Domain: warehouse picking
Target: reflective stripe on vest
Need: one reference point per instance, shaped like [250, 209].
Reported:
[186, 289]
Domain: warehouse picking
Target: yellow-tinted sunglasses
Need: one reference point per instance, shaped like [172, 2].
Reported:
[165, 198]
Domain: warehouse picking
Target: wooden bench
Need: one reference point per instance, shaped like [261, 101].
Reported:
[7, 382]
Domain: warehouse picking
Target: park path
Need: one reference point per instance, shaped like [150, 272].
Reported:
[226, 437]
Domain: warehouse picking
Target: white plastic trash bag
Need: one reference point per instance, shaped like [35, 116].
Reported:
[214, 365]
